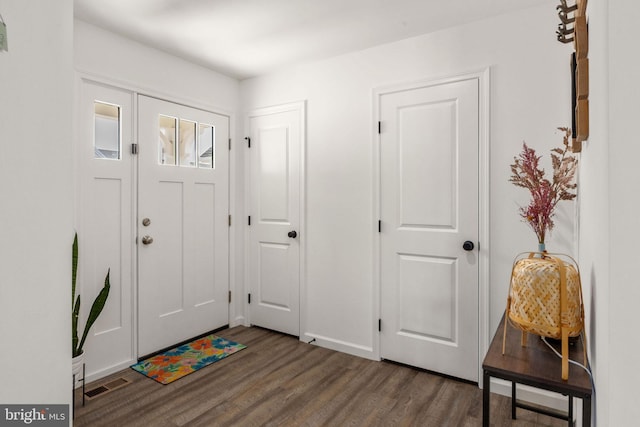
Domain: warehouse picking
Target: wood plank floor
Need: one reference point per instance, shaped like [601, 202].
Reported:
[279, 381]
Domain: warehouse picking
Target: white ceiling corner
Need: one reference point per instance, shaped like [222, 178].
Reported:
[246, 38]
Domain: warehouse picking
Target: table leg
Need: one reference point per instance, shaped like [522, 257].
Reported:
[486, 394]
[570, 411]
[73, 395]
[513, 400]
[586, 411]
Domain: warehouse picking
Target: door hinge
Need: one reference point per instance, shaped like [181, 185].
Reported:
[248, 141]
[229, 297]
[229, 144]
[379, 325]
[134, 148]
[249, 298]
[379, 226]
[229, 220]
[379, 127]
[249, 220]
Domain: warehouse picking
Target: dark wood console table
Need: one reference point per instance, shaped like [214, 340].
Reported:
[535, 365]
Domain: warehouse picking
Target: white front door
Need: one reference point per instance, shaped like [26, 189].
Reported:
[429, 146]
[276, 137]
[183, 234]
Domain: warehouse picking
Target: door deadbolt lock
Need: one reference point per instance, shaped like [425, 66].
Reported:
[147, 240]
[146, 222]
[468, 245]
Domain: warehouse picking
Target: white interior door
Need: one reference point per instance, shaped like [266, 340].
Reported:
[105, 224]
[429, 207]
[183, 235]
[274, 207]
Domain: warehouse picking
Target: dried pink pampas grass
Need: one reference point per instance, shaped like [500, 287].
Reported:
[545, 194]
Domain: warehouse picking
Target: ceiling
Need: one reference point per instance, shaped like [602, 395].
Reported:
[246, 38]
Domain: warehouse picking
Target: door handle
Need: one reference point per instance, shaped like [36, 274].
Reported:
[147, 240]
[468, 245]
[292, 234]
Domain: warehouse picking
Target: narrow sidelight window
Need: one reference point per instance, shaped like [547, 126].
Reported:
[106, 137]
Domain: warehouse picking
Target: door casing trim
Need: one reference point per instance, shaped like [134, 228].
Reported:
[484, 78]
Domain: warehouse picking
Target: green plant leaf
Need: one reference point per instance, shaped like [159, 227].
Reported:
[74, 267]
[74, 327]
[96, 309]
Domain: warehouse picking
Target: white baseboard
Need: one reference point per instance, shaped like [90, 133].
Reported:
[338, 345]
[238, 321]
[94, 376]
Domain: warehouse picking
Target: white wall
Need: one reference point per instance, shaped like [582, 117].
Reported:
[36, 192]
[609, 206]
[530, 97]
[624, 203]
[594, 210]
[609, 209]
[132, 65]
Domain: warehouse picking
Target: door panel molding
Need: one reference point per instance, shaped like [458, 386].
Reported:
[483, 78]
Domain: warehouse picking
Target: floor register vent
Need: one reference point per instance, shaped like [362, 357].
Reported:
[106, 388]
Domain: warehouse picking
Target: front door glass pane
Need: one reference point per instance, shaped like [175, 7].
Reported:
[167, 141]
[187, 147]
[206, 147]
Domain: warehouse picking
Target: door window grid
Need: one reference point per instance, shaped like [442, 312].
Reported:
[195, 147]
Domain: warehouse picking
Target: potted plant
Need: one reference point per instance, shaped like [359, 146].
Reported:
[96, 309]
[545, 294]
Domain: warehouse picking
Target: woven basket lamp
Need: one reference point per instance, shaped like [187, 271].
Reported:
[545, 298]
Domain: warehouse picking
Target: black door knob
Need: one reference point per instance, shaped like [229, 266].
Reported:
[292, 234]
[468, 245]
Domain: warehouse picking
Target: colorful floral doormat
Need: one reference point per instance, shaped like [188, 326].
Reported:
[180, 361]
